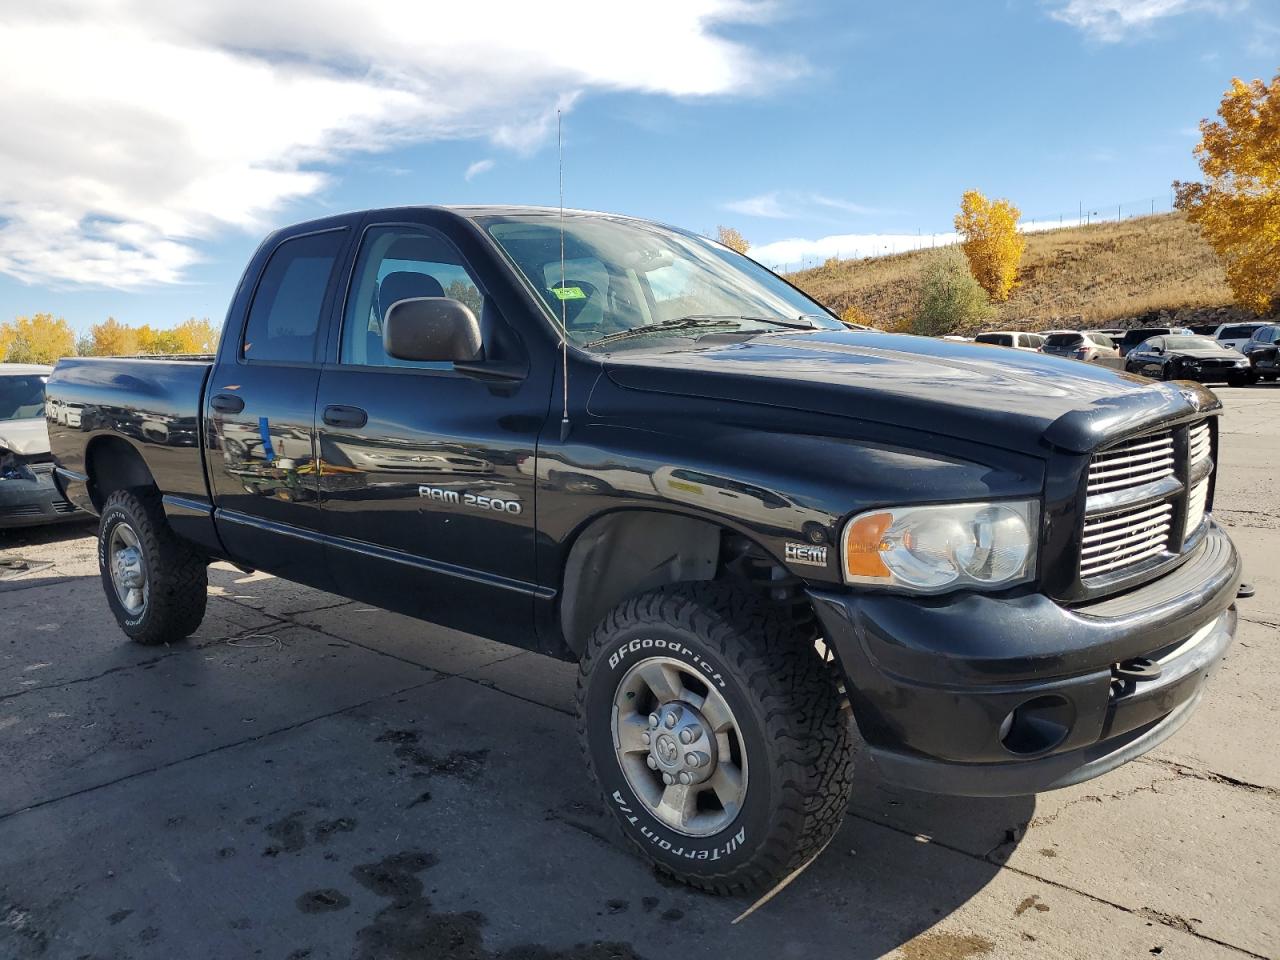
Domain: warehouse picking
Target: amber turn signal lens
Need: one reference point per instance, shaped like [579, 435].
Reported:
[862, 546]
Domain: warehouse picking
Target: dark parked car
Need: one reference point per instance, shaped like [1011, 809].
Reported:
[1139, 335]
[1189, 358]
[1262, 350]
[626, 446]
[27, 492]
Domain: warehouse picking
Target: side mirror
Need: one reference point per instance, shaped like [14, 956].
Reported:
[1156, 350]
[432, 328]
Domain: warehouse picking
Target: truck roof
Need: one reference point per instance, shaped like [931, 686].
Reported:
[465, 211]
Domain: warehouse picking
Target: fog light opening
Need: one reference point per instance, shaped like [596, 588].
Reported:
[1037, 725]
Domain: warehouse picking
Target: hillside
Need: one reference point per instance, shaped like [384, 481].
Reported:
[1098, 275]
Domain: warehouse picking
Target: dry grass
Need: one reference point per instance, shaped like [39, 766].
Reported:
[1092, 276]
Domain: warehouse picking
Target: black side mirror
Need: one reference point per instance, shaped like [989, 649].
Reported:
[432, 328]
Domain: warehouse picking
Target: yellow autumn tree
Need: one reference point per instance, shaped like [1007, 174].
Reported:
[1238, 206]
[990, 239]
[855, 315]
[732, 239]
[111, 338]
[39, 338]
[196, 336]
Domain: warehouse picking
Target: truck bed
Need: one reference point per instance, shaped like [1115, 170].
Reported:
[152, 404]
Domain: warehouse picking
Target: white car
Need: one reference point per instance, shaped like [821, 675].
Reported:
[1033, 342]
[27, 493]
[1236, 335]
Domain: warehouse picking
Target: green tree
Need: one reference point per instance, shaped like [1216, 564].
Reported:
[950, 298]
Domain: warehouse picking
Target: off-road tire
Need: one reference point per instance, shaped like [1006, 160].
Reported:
[177, 574]
[786, 700]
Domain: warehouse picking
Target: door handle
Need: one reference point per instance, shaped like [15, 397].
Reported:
[338, 415]
[227, 403]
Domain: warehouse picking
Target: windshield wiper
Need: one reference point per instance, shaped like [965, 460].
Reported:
[695, 320]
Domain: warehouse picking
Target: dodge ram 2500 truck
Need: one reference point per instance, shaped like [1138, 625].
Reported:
[749, 526]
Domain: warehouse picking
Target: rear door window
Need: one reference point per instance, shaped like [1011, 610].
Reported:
[285, 315]
[1236, 333]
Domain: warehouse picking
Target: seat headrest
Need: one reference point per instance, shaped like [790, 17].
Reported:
[406, 285]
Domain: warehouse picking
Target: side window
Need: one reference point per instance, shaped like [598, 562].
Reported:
[285, 313]
[400, 263]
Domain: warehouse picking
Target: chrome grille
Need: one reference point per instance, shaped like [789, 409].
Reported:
[1195, 507]
[1116, 540]
[1198, 442]
[1133, 463]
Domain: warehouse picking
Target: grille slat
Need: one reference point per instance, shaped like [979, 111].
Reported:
[1134, 463]
[1198, 440]
[1118, 539]
[1195, 507]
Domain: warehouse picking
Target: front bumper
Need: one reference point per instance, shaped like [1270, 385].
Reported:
[25, 503]
[980, 695]
[1215, 374]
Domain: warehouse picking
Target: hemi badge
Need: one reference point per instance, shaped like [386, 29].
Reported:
[807, 554]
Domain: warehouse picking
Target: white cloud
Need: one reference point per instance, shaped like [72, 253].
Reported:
[795, 205]
[135, 129]
[1114, 20]
[477, 168]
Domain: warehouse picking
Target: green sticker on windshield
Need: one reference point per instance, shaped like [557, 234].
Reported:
[569, 293]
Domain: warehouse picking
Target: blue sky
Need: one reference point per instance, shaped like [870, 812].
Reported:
[136, 183]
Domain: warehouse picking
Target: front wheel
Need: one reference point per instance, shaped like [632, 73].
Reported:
[156, 584]
[716, 734]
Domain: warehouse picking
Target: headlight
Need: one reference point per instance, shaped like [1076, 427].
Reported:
[935, 548]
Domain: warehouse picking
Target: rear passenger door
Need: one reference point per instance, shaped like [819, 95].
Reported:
[261, 407]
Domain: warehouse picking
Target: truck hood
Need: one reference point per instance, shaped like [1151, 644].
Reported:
[1000, 397]
[26, 438]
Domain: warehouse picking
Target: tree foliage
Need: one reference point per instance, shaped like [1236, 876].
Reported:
[1238, 206]
[39, 338]
[951, 298]
[111, 338]
[856, 315]
[991, 242]
[732, 239]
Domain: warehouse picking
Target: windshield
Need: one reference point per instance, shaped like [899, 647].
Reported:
[1190, 343]
[621, 276]
[21, 397]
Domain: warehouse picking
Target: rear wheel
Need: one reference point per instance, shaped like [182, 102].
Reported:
[156, 584]
[715, 732]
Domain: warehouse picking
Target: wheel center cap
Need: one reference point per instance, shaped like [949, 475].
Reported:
[681, 744]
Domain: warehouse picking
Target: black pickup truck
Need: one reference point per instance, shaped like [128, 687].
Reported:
[749, 526]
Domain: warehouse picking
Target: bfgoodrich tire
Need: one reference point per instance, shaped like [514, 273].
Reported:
[155, 583]
[715, 732]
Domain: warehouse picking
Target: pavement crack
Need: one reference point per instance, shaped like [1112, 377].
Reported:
[1151, 787]
[171, 650]
[220, 748]
[464, 676]
[1056, 884]
[1209, 776]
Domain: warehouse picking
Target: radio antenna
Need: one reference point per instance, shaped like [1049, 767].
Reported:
[564, 322]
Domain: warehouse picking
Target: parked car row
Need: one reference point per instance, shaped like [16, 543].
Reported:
[1237, 354]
